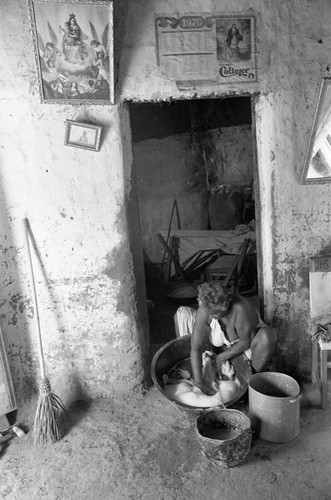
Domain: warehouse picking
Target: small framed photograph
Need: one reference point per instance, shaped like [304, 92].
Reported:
[73, 46]
[82, 135]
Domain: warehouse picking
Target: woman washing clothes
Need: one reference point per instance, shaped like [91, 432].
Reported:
[224, 318]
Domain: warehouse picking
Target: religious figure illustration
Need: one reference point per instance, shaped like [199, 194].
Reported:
[232, 40]
[74, 90]
[73, 46]
[73, 53]
[100, 85]
[60, 85]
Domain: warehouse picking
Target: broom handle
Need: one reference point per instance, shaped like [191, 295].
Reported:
[35, 302]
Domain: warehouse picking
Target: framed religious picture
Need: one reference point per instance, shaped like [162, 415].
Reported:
[73, 45]
[82, 135]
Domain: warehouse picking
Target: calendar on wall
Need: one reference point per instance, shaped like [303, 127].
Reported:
[207, 48]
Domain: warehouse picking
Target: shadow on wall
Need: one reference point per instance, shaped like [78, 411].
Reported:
[133, 223]
[122, 27]
[15, 307]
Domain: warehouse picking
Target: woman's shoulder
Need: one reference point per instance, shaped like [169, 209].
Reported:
[203, 315]
[239, 300]
[239, 303]
[242, 306]
[201, 327]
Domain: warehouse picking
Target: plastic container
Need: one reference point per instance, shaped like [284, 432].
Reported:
[274, 406]
[225, 436]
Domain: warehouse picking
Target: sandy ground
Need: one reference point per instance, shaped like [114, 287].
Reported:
[147, 448]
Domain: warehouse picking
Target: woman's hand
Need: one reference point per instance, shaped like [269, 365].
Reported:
[206, 389]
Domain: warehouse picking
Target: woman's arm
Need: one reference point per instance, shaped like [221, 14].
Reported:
[238, 348]
[199, 343]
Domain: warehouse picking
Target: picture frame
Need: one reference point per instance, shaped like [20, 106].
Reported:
[317, 166]
[82, 135]
[73, 47]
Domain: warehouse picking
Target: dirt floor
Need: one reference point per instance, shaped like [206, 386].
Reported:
[147, 448]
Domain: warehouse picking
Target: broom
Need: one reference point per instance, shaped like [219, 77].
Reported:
[48, 419]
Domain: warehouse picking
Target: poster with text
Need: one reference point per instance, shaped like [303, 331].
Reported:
[205, 49]
[187, 47]
[236, 53]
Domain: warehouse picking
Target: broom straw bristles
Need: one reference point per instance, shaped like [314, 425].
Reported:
[48, 424]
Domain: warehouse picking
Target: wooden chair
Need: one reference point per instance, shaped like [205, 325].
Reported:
[194, 266]
[320, 313]
[228, 267]
[179, 270]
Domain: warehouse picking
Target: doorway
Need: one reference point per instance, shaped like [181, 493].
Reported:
[194, 167]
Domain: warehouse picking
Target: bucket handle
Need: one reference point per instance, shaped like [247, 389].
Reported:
[297, 398]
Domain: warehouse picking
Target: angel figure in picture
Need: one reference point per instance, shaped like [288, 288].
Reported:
[51, 55]
[99, 49]
[101, 54]
[102, 69]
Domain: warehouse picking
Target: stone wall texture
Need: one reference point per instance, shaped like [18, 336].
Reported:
[81, 205]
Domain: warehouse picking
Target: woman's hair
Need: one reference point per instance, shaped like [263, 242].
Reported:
[214, 297]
